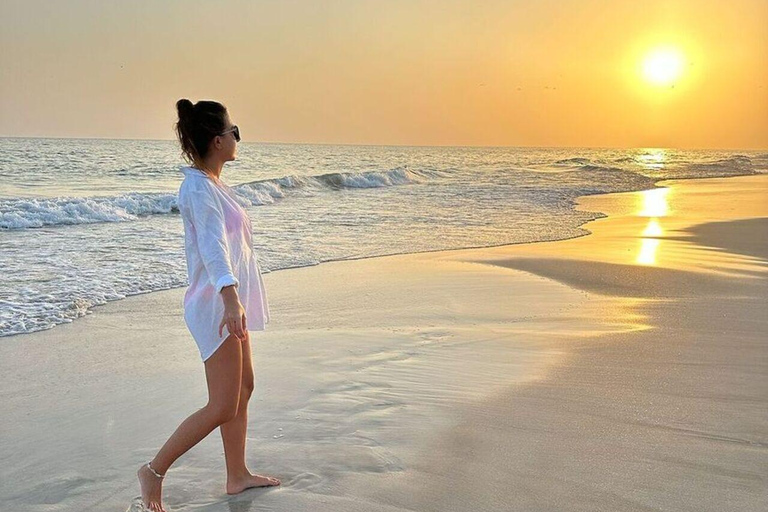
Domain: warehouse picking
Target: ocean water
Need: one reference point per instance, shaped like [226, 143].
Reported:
[86, 221]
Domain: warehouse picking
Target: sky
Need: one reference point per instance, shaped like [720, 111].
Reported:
[562, 73]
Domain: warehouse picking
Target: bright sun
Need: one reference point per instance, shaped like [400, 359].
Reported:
[663, 66]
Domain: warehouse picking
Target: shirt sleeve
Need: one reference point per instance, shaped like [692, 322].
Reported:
[208, 220]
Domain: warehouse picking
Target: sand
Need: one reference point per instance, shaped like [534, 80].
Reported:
[624, 370]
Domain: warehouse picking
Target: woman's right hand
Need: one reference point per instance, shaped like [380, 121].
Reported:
[234, 313]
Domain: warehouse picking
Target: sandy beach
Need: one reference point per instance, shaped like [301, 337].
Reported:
[625, 370]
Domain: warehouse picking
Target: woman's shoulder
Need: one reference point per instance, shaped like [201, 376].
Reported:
[193, 195]
[196, 183]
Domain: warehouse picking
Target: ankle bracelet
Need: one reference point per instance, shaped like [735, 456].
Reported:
[158, 475]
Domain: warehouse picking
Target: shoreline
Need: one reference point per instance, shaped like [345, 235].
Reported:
[416, 370]
[657, 184]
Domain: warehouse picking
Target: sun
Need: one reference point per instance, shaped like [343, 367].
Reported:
[663, 66]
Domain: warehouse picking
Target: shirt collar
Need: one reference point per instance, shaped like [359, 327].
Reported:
[187, 170]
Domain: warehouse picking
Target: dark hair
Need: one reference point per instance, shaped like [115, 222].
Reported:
[198, 124]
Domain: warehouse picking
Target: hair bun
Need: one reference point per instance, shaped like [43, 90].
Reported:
[185, 108]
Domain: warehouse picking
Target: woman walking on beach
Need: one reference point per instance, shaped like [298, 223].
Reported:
[225, 289]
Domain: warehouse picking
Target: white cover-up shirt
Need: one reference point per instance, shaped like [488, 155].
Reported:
[218, 244]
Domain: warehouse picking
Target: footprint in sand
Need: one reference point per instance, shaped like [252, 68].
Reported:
[304, 481]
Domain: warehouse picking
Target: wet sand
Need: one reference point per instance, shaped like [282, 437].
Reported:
[624, 370]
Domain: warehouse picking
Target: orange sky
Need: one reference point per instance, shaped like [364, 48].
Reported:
[507, 73]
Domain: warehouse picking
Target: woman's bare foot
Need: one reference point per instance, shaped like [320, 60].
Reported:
[151, 489]
[240, 484]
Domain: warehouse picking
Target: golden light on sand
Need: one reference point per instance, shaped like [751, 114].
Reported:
[648, 250]
[663, 66]
[649, 247]
[653, 229]
[654, 203]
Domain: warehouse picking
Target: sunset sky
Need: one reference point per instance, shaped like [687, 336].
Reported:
[444, 72]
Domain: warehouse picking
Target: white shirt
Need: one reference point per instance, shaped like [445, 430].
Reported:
[218, 243]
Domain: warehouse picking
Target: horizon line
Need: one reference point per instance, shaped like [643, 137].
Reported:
[400, 145]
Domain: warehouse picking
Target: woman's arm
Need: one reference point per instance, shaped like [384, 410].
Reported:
[208, 221]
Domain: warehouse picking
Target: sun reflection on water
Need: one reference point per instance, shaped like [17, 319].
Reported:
[653, 158]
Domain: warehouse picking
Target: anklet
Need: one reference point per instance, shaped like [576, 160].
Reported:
[158, 475]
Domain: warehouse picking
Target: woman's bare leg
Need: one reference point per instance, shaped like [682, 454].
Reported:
[233, 434]
[223, 371]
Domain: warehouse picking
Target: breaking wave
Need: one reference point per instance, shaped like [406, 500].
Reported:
[26, 213]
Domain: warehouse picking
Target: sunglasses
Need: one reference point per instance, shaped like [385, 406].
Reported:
[236, 131]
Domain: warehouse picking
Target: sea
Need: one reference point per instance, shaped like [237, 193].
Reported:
[88, 221]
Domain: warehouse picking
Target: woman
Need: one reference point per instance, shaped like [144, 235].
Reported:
[225, 289]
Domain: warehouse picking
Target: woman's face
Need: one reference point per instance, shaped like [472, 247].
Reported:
[227, 145]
